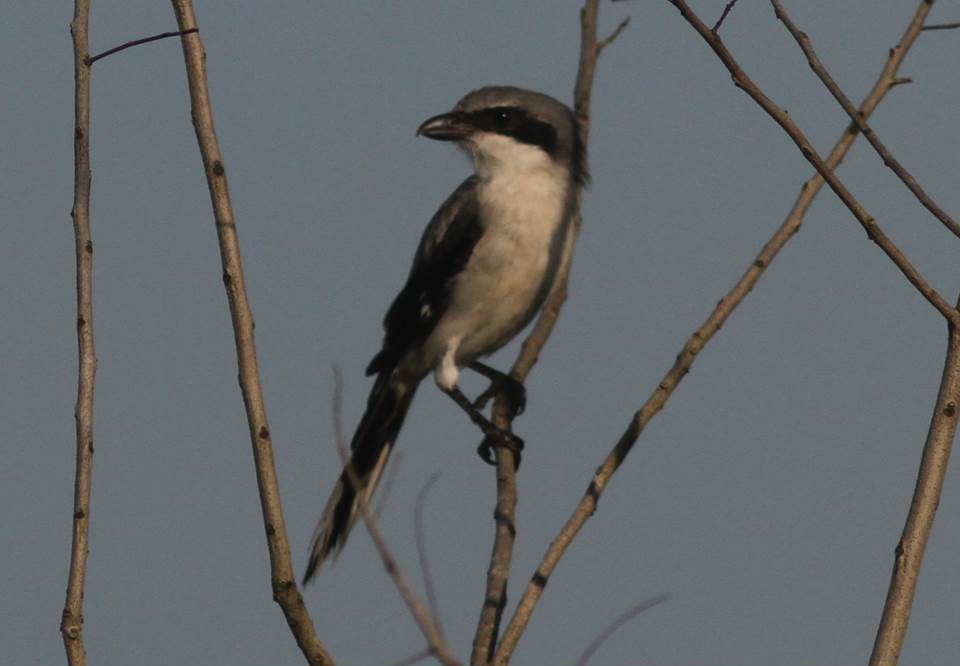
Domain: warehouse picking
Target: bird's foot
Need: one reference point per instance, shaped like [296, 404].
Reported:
[513, 390]
[497, 438]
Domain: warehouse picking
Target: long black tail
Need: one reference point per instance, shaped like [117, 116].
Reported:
[371, 445]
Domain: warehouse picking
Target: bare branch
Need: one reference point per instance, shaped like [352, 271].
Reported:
[723, 16]
[71, 621]
[495, 597]
[607, 41]
[908, 556]
[422, 552]
[941, 26]
[138, 42]
[616, 624]
[888, 159]
[428, 626]
[697, 341]
[285, 591]
[867, 221]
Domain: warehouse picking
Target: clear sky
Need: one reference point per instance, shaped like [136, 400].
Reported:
[765, 501]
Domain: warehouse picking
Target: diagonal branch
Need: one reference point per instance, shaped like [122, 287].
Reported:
[867, 221]
[285, 591]
[888, 159]
[495, 597]
[71, 622]
[685, 359]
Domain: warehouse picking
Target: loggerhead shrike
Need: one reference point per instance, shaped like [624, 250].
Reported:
[483, 268]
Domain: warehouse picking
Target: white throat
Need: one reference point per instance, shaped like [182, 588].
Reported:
[495, 156]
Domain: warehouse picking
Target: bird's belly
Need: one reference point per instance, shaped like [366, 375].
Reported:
[501, 289]
[500, 303]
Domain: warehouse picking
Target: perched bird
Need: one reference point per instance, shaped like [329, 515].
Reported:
[484, 266]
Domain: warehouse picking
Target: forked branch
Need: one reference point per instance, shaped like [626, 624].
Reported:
[910, 550]
[888, 159]
[867, 221]
[688, 354]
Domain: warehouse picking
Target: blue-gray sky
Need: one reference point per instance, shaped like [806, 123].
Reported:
[766, 500]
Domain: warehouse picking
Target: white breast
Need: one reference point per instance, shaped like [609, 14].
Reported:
[522, 200]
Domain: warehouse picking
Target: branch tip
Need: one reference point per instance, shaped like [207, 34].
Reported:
[941, 26]
[607, 41]
[723, 16]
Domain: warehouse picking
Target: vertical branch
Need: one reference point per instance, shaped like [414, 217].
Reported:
[71, 623]
[923, 508]
[495, 597]
[285, 591]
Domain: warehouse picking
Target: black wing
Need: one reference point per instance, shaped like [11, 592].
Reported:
[444, 249]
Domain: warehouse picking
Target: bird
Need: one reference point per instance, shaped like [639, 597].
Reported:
[483, 268]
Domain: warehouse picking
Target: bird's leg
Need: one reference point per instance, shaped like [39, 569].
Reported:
[493, 436]
[500, 382]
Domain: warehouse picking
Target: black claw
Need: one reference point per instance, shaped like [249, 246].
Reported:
[500, 438]
[485, 451]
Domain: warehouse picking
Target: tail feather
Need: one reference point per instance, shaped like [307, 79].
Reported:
[372, 442]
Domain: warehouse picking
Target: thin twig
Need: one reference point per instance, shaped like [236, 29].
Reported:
[941, 26]
[137, 42]
[723, 16]
[688, 354]
[908, 555]
[422, 552]
[608, 40]
[495, 597]
[71, 621]
[428, 626]
[867, 221]
[616, 624]
[888, 159]
[282, 579]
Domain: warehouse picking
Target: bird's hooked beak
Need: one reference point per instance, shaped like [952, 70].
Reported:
[452, 126]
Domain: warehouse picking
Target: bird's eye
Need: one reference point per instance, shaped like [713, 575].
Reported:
[502, 117]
